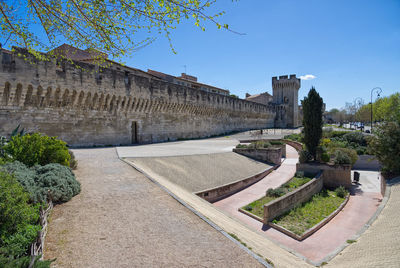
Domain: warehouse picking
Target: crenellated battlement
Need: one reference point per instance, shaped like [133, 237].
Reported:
[286, 81]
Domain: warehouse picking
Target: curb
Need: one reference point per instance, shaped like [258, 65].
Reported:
[201, 216]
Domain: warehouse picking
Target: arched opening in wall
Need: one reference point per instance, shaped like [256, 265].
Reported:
[100, 102]
[105, 106]
[88, 101]
[28, 97]
[112, 104]
[39, 99]
[47, 99]
[57, 101]
[18, 93]
[6, 94]
[94, 101]
[73, 98]
[80, 99]
[64, 101]
[134, 132]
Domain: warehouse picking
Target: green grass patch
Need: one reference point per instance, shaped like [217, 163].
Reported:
[351, 241]
[310, 213]
[257, 207]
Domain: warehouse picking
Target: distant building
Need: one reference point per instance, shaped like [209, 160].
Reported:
[262, 98]
[189, 81]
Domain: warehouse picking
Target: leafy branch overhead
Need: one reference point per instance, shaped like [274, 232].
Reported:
[117, 27]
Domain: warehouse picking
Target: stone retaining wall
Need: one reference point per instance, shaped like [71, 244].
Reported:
[284, 203]
[220, 192]
[270, 155]
[333, 175]
[367, 162]
[297, 145]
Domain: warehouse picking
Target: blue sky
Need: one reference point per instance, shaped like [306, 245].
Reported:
[349, 46]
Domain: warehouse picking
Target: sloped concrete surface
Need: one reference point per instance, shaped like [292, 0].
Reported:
[200, 172]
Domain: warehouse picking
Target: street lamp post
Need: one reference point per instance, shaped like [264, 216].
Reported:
[379, 91]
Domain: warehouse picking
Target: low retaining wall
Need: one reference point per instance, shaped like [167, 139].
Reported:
[220, 192]
[313, 229]
[283, 146]
[297, 145]
[284, 203]
[271, 155]
[333, 175]
[367, 162]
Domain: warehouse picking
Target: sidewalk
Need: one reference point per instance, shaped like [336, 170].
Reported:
[360, 208]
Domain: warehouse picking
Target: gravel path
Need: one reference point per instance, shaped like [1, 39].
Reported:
[121, 219]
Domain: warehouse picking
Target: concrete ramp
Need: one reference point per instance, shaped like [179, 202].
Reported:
[200, 172]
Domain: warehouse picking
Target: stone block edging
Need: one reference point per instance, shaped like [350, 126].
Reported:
[312, 229]
[225, 190]
[297, 145]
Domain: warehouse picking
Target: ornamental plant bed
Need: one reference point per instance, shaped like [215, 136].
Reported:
[257, 207]
[310, 216]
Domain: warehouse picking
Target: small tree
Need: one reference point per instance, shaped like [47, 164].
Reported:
[312, 121]
[386, 146]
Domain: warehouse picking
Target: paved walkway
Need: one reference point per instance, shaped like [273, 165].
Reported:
[362, 205]
[379, 246]
[122, 219]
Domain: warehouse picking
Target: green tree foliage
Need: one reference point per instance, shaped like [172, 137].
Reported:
[386, 108]
[110, 26]
[41, 181]
[32, 149]
[18, 218]
[312, 120]
[385, 145]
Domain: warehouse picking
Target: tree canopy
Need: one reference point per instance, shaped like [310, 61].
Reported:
[312, 120]
[116, 27]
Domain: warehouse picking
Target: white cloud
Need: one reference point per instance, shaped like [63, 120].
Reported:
[308, 77]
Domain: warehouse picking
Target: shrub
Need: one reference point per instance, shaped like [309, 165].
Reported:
[40, 181]
[278, 192]
[58, 180]
[276, 142]
[18, 218]
[325, 158]
[32, 149]
[241, 146]
[356, 137]
[352, 154]
[304, 156]
[248, 208]
[341, 192]
[386, 146]
[341, 158]
[294, 137]
[73, 163]
[266, 145]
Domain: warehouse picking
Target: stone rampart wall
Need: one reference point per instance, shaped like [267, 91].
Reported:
[87, 106]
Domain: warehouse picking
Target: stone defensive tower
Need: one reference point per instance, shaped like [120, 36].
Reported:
[285, 95]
